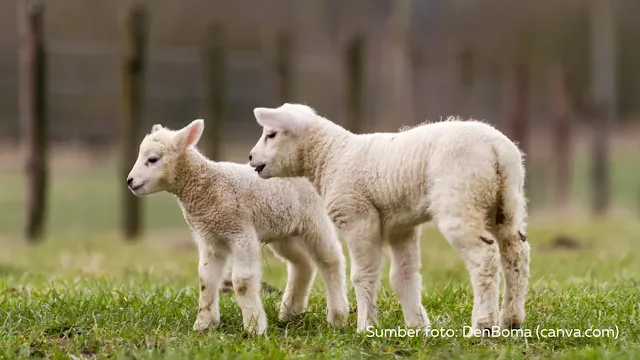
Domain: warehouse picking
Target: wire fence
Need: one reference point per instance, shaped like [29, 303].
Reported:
[84, 74]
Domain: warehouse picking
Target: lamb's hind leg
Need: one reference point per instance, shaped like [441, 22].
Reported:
[365, 249]
[246, 274]
[479, 250]
[405, 276]
[325, 249]
[211, 268]
[300, 275]
[514, 254]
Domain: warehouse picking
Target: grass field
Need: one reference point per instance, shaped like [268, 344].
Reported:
[84, 293]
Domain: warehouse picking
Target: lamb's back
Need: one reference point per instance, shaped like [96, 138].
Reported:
[277, 206]
[395, 172]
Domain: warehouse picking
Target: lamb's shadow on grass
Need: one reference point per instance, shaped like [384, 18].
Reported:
[564, 242]
[303, 324]
[59, 336]
[8, 270]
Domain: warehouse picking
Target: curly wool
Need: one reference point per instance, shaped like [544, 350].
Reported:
[231, 211]
[465, 176]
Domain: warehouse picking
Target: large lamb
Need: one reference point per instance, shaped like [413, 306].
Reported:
[379, 188]
[231, 211]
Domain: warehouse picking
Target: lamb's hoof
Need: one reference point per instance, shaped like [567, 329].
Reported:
[511, 324]
[512, 319]
[369, 323]
[486, 332]
[255, 324]
[202, 324]
[419, 324]
[338, 319]
[480, 332]
[483, 329]
[287, 318]
[253, 332]
[484, 326]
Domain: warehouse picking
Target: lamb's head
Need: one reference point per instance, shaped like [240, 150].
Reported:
[285, 130]
[159, 151]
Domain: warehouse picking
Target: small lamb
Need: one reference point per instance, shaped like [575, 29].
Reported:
[231, 211]
[379, 188]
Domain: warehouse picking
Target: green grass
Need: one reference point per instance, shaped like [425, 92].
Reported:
[85, 293]
[99, 296]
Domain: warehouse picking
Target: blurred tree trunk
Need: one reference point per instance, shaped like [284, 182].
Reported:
[354, 68]
[215, 54]
[33, 113]
[133, 63]
[316, 57]
[397, 101]
[518, 110]
[603, 96]
[311, 24]
[518, 116]
[284, 66]
[561, 103]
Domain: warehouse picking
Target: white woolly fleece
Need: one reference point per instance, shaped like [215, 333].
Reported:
[231, 211]
[379, 188]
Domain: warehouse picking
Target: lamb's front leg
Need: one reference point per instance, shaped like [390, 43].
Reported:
[246, 274]
[211, 271]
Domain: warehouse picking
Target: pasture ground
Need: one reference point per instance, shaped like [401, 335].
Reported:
[84, 293]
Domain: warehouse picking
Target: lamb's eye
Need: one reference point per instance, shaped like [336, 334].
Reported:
[272, 135]
[152, 159]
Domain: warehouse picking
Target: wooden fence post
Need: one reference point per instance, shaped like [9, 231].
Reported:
[215, 54]
[561, 101]
[519, 110]
[33, 114]
[603, 94]
[397, 101]
[354, 66]
[133, 63]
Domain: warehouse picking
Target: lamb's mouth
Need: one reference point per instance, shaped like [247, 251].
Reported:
[259, 168]
[137, 187]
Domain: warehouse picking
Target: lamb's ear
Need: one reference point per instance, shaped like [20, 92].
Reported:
[278, 119]
[190, 134]
[156, 127]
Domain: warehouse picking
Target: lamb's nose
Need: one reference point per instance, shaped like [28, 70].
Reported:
[250, 157]
[129, 181]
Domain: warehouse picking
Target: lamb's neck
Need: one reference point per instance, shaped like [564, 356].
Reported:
[328, 145]
[192, 173]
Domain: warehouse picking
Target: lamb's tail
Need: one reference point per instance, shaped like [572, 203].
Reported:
[512, 205]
